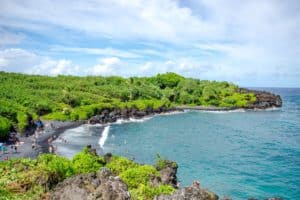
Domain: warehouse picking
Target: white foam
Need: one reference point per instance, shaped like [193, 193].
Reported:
[268, 109]
[104, 136]
[172, 113]
[139, 120]
[130, 120]
[222, 111]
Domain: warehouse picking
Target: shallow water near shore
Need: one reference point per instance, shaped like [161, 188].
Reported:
[235, 154]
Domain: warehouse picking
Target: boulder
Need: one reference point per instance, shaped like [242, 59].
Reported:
[193, 192]
[263, 99]
[168, 173]
[92, 186]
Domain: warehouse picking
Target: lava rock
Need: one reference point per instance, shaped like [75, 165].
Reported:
[92, 186]
[193, 192]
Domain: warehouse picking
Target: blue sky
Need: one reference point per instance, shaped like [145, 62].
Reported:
[250, 43]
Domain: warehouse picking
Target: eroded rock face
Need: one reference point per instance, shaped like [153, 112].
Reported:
[264, 99]
[168, 174]
[193, 192]
[92, 186]
[109, 116]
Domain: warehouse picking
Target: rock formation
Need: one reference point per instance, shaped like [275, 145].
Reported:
[194, 192]
[92, 186]
[264, 99]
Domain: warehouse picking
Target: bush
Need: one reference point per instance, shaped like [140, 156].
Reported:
[56, 164]
[145, 192]
[85, 162]
[22, 121]
[57, 116]
[135, 176]
[5, 126]
[120, 164]
[169, 79]
[42, 108]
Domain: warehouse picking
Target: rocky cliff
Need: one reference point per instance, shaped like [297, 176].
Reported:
[263, 99]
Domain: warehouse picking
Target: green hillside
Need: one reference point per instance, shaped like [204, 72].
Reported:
[25, 97]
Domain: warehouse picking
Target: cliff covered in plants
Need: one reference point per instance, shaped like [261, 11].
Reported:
[25, 97]
[89, 176]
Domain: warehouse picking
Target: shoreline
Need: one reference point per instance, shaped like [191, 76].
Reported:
[55, 128]
[214, 108]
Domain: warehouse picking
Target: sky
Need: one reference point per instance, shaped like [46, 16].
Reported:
[250, 42]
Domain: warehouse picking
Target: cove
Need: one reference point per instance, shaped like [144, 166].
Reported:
[236, 154]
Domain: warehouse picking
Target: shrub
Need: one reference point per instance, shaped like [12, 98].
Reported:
[5, 126]
[169, 79]
[22, 121]
[162, 163]
[56, 164]
[85, 162]
[120, 164]
[145, 192]
[135, 176]
[57, 116]
[42, 108]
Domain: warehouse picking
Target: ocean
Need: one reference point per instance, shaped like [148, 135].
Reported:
[238, 154]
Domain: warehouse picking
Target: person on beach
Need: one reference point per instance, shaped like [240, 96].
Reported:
[50, 139]
[50, 149]
[3, 149]
[39, 124]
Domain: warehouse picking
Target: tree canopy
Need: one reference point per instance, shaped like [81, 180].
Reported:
[25, 97]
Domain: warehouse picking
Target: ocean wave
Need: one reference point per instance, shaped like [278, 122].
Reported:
[104, 136]
[222, 111]
[130, 120]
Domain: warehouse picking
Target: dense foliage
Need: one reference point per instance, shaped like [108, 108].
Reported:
[32, 179]
[25, 97]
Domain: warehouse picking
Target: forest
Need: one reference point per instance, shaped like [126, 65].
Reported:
[26, 97]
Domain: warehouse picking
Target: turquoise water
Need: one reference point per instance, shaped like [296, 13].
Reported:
[236, 154]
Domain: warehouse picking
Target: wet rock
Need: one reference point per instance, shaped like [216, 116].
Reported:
[92, 186]
[140, 114]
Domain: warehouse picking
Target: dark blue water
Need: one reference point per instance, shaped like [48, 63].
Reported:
[236, 154]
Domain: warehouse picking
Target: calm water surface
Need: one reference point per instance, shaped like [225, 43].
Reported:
[236, 154]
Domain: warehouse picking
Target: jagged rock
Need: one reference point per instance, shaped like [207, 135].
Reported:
[140, 114]
[263, 99]
[168, 173]
[92, 186]
[189, 193]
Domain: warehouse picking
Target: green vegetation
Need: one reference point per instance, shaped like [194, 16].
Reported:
[32, 179]
[25, 97]
[163, 163]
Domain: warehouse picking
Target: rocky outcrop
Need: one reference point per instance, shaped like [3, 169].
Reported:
[110, 116]
[194, 192]
[263, 99]
[101, 185]
[168, 173]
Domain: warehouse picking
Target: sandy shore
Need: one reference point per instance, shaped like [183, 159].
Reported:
[25, 150]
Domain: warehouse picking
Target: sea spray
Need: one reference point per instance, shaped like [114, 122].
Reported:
[104, 136]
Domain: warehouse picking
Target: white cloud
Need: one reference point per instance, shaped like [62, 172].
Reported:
[106, 66]
[97, 51]
[154, 20]
[20, 60]
[214, 39]
[53, 67]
